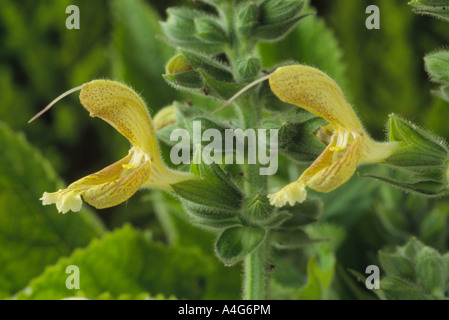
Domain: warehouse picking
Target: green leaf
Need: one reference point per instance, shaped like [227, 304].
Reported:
[186, 80]
[217, 223]
[277, 18]
[246, 18]
[234, 243]
[276, 31]
[412, 249]
[436, 8]
[249, 68]
[420, 157]
[431, 270]
[258, 209]
[125, 262]
[303, 214]
[181, 31]
[209, 30]
[211, 67]
[414, 271]
[396, 264]
[218, 89]
[437, 65]
[213, 192]
[217, 177]
[424, 187]
[203, 193]
[404, 131]
[273, 11]
[434, 225]
[292, 239]
[207, 76]
[140, 296]
[277, 219]
[180, 23]
[398, 289]
[297, 134]
[207, 213]
[319, 280]
[358, 195]
[33, 236]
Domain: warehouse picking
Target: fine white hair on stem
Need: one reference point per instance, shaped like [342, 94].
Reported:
[235, 96]
[53, 102]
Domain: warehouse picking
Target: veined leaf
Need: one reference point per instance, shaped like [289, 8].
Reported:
[33, 236]
[126, 263]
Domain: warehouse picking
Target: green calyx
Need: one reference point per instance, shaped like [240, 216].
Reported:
[421, 159]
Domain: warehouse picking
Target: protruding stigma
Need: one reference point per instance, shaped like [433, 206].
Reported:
[53, 102]
[235, 96]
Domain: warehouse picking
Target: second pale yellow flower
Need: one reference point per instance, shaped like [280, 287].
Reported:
[349, 145]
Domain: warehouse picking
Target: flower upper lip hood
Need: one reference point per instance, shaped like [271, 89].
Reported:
[314, 91]
[349, 146]
[124, 110]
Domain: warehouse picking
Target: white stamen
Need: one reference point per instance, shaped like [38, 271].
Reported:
[342, 139]
[345, 139]
[339, 139]
[136, 159]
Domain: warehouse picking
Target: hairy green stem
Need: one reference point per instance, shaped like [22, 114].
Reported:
[251, 112]
[254, 283]
[255, 277]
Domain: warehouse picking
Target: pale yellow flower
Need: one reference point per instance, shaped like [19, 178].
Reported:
[349, 145]
[124, 110]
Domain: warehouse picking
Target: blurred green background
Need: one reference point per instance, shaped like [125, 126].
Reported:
[381, 72]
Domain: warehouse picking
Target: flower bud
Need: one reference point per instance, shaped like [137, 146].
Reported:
[165, 117]
[277, 18]
[247, 18]
[419, 149]
[178, 64]
[210, 31]
[179, 24]
[275, 11]
[249, 68]
[180, 73]
[181, 29]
